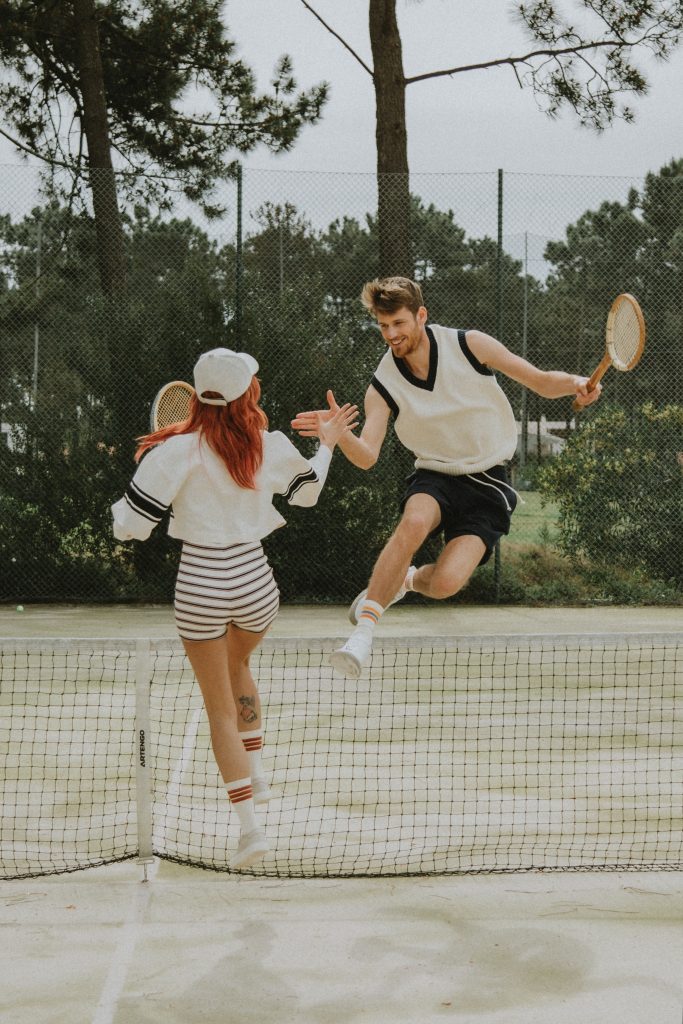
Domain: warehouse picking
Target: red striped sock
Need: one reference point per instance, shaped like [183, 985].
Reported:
[242, 799]
[239, 791]
[253, 744]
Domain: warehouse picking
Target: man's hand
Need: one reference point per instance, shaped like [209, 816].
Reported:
[583, 395]
[332, 428]
[307, 423]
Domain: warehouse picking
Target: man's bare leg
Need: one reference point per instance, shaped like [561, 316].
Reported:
[421, 515]
[452, 569]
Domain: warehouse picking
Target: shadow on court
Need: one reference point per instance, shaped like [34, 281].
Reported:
[191, 947]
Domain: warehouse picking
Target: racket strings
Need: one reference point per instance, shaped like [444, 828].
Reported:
[625, 340]
[172, 405]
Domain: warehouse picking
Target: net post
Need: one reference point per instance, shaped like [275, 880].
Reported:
[143, 775]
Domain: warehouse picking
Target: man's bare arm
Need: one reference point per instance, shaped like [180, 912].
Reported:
[547, 383]
[362, 451]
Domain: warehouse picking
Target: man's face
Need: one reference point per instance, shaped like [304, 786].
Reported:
[402, 330]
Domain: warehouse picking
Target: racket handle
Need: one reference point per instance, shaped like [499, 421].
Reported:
[596, 376]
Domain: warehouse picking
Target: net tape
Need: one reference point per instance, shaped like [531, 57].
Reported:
[449, 755]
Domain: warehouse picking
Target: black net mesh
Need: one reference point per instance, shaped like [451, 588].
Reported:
[475, 754]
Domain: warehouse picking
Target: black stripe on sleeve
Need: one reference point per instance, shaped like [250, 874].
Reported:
[299, 481]
[144, 504]
[381, 390]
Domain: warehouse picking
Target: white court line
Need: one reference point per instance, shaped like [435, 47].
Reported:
[122, 957]
[179, 770]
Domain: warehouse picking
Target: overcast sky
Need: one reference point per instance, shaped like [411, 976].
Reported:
[474, 122]
[477, 121]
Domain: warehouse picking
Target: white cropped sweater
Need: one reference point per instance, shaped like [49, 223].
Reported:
[208, 507]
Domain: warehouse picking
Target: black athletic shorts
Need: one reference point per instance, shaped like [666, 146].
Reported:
[481, 503]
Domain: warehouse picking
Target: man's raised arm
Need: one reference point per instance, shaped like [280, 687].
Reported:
[362, 451]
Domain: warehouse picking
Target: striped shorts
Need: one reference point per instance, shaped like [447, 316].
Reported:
[216, 586]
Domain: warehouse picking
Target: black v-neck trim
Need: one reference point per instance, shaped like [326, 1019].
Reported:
[402, 366]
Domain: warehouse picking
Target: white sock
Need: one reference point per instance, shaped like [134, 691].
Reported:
[253, 744]
[369, 614]
[408, 581]
[242, 799]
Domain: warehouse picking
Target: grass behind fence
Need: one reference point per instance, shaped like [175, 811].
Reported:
[535, 572]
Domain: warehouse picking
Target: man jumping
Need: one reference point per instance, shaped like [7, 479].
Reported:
[450, 411]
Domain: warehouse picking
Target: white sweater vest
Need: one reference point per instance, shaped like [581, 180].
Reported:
[458, 420]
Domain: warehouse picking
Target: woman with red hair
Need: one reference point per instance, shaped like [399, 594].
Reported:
[219, 470]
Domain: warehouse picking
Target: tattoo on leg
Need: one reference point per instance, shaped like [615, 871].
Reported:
[248, 709]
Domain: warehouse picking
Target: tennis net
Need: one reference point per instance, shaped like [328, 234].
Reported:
[449, 755]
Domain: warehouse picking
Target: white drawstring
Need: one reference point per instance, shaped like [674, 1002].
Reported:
[504, 483]
[497, 487]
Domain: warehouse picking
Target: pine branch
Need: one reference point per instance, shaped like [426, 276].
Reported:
[341, 40]
[513, 61]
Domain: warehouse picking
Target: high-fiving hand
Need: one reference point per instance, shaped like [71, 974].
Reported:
[308, 424]
[329, 425]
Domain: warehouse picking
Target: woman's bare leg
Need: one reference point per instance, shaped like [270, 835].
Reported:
[240, 646]
[209, 660]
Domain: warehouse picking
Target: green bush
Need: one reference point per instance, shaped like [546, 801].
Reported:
[618, 486]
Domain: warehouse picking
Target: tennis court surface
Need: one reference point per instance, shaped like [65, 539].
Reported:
[486, 827]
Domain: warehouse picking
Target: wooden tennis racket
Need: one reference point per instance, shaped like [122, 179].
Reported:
[624, 339]
[171, 404]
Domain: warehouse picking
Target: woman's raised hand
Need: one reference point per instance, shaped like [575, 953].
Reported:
[306, 423]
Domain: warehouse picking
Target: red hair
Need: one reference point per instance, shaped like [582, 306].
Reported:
[233, 432]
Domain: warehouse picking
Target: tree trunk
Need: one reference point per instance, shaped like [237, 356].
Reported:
[393, 187]
[110, 243]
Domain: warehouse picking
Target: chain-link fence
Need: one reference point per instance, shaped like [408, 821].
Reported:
[98, 313]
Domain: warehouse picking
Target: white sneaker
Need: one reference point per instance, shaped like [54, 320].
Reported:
[252, 846]
[262, 791]
[358, 601]
[350, 659]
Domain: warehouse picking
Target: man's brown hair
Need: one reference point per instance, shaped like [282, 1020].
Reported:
[389, 294]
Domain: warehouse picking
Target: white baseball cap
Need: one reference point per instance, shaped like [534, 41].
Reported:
[226, 372]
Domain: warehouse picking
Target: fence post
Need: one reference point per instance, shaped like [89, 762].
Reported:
[499, 260]
[238, 257]
[524, 412]
[143, 775]
[36, 325]
[499, 334]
